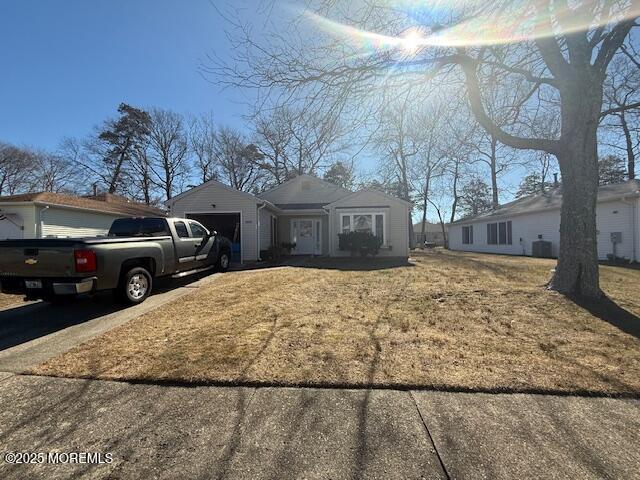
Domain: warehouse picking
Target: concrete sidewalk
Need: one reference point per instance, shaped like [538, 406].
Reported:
[277, 433]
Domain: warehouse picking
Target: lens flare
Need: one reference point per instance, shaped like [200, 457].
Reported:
[525, 20]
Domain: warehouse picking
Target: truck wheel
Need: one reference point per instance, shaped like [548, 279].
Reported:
[135, 286]
[222, 265]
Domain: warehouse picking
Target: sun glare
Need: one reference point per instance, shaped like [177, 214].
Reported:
[412, 40]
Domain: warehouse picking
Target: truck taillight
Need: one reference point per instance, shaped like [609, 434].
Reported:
[85, 261]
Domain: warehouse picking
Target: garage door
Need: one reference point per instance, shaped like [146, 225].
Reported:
[227, 225]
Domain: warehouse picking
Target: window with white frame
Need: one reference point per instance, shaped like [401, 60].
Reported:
[467, 235]
[364, 222]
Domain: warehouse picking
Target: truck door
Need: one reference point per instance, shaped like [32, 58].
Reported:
[204, 254]
[186, 246]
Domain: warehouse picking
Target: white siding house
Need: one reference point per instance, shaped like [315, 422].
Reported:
[305, 211]
[47, 214]
[520, 223]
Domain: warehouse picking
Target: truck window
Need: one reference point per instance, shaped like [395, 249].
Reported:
[181, 229]
[197, 230]
[139, 227]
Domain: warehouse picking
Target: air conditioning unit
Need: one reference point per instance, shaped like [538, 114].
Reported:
[541, 249]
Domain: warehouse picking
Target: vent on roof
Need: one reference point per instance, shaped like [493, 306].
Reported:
[306, 185]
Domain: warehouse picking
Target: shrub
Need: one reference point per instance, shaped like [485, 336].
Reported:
[363, 243]
[287, 246]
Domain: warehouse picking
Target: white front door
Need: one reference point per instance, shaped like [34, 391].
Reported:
[305, 234]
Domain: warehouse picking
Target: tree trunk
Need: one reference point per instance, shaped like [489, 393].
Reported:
[425, 203]
[631, 157]
[454, 205]
[494, 172]
[577, 269]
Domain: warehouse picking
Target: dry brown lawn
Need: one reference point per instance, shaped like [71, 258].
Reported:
[8, 300]
[450, 320]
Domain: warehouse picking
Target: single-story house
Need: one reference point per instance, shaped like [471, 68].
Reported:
[48, 214]
[432, 233]
[305, 211]
[514, 227]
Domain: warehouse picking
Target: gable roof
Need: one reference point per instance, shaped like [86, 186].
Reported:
[224, 186]
[325, 192]
[105, 203]
[371, 190]
[205, 185]
[552, 200]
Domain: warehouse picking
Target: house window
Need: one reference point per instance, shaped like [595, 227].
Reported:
[346, 223]
[274, 231]
[379, 226]
[467, 235]
[364, 222]
[492, 233]
[499, 233]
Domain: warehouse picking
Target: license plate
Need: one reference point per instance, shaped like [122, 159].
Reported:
[33, 284]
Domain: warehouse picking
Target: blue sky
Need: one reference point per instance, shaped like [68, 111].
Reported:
[67, 64]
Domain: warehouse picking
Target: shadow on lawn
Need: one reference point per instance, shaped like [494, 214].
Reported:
[347, 264]
[609, 311]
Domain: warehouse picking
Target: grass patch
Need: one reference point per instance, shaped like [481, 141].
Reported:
[450, 320]
[8, 300]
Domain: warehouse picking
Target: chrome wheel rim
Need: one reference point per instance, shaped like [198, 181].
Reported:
[138, 286]
[224, 260]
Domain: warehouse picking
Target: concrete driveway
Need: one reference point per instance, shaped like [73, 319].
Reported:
[36, 331]
[166, 432]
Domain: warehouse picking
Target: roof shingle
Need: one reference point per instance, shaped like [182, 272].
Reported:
[105, 203]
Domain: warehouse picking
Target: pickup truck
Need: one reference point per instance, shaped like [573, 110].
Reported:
[127, 260]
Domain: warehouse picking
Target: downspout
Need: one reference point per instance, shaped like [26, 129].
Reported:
[40, 229]
[258, 230]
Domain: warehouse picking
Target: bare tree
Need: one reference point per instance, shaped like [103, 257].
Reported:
[169, 147]
[238, 160]
[273, 137]
[202, 137]
[621, 93]
[559, 65]
[295, 141]
[16, 166]
[53, 173]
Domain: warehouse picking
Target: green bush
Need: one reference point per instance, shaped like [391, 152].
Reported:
[363, 243]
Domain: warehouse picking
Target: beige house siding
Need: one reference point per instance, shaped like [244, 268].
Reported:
[27, 214]
[611, 216]
[226, 200]
[396, 230]
[73, 223]
[265, 228]
[305, 189]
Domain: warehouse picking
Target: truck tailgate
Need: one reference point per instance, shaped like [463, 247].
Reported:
[35, 261]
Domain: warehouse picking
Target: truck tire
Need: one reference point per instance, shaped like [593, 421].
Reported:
[224, 259]
[135, 286]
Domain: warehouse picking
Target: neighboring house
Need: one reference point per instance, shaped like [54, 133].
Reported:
[432, 233]
[306, 211]
[47, 214]
[512, 228]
